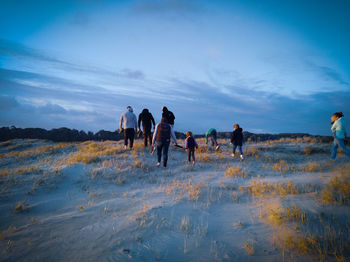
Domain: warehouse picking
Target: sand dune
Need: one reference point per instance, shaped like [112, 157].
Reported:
[95, 201]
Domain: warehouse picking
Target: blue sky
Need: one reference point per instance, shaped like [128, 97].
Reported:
[272, 66]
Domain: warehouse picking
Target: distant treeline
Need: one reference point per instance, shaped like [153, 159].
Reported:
[71, 135]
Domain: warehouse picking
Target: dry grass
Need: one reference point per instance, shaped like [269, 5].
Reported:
[337, 190]
[263, 189]
[235, 171]
[204, 158]
[192, 191]
[249, 249]
[311, 167]
[89, 152]
[283, 167]
[252, 151]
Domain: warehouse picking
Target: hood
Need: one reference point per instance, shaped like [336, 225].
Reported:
[165, 109]
[129, 109]
[145, 111]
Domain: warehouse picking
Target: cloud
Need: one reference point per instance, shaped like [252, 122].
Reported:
[90, 98]
[166, 6]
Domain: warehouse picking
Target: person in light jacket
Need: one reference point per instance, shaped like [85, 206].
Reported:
[339, 133]
[161, 140]
[128, 123]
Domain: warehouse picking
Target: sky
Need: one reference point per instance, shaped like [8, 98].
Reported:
[272, 66]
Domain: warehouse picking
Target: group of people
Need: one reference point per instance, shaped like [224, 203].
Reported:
[164, 132]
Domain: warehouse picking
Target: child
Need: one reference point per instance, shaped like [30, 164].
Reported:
[190, 145]
[237, 140]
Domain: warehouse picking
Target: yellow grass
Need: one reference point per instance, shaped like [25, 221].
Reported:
[261, 188]
[235, 171]
[193, 191]
[337, 190]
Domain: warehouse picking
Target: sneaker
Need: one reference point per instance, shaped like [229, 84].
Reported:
[242, 157]
[158, 164]
[217, 147]
[233, 155]
[125, 147]
[193, 163]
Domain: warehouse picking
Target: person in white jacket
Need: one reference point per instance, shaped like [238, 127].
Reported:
[339, 133]
[128, 123]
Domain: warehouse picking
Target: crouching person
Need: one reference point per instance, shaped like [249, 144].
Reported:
[161, 140]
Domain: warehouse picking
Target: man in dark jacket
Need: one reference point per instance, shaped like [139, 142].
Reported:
[168, 116]
[147, 120]
[237, 140]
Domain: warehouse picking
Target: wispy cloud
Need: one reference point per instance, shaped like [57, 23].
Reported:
[72, 99]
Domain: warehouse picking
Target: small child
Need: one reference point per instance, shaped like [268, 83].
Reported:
[190, 145]
[237, 140]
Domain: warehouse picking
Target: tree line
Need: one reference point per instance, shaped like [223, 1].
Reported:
[64, 134]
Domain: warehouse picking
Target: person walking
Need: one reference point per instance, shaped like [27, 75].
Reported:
[213, 138]
[128, 123]
[190, 146]
[237, 140]
[147, 120]
[339, 133]
[161, 140]
[168, 116]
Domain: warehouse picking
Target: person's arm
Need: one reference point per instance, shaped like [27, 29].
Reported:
[121, 121]
[135, 123]
[186, 143]
[173, 135]
[153, 122]
[155, 134]
[206, 137]
[195, 142]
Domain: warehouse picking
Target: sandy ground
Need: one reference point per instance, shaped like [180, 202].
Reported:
[95, 201]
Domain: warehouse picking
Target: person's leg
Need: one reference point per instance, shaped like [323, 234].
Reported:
[150, 137]
[189, 155]
[334, 148]
[159, 151]
[234, 149]
[165, 153]
[132, 137]
[343, 147]
[144, 139]
[125, 137]
[193, 158]
[240, 150]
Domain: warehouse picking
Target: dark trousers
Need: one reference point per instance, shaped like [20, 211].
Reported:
[163, 147]
[147, 135]
[129, 134]
[213, 140]
[239, 148]
[191, 154]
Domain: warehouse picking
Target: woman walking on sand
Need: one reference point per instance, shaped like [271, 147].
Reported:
[339, 133]
[161, 140]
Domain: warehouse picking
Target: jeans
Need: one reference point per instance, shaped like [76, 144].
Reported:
[239, 148]
[163, 146]
[129, 134]
[191, 154]
[338, 142]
